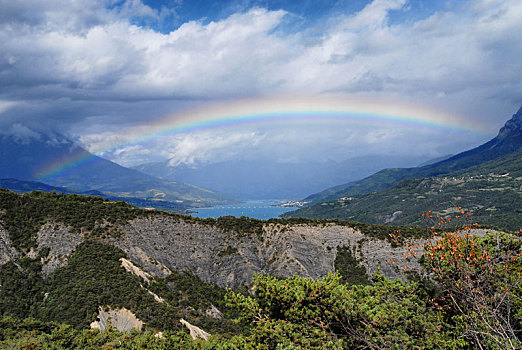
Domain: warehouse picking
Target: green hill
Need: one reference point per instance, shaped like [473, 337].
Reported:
[22, 186]
[491, 192]
[508, 140]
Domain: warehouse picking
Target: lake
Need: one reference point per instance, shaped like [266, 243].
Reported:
[260, 209]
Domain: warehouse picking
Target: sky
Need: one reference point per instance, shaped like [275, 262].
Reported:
[131, 79]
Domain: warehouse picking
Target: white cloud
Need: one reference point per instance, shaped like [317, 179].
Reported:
[210, 147]
[82, 61]
[375, 15]
[6, 105]
[243, 55]
[109, 141]
[132, 155]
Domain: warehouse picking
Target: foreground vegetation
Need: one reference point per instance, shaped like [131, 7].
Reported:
[470, 298]
[94, 277]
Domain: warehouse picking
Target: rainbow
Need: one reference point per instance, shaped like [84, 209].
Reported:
[276, 112]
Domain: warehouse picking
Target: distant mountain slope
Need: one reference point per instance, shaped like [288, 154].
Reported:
[436, 160]
[22, 186]
[508, 140]
[491, 192]
[268, 179]
[35, 158]
[28, 186]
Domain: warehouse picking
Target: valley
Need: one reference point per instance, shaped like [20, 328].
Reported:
[261, 179]
[260, 175]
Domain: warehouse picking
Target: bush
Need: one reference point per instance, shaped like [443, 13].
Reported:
[481, 282]
[302, 313]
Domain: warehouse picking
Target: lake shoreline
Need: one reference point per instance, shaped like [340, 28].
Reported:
[256, 209]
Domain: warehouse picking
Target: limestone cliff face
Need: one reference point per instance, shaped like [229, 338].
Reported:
[121, 319]
[7, 251]
[513, 128]
[160, 244]
[61, 243]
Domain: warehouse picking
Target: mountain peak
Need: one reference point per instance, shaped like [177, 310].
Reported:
[513, 127]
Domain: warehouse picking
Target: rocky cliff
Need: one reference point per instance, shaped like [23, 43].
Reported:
[226, 258]
[7, 251]
[163, 243]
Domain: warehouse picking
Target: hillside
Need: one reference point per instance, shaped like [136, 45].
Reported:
[86, 262]
[277, 246]
[73, 262]
[491, 192]
[28, 186]
[57, 161]
[61, 258]
[508, 140]
[21, 186]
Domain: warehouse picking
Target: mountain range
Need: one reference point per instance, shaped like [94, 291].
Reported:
[486, 180]
[43, 157]
[270, 179]
[490, 192]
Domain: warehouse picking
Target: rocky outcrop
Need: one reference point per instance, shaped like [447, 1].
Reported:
[214, 312]
[162, 243]
[121, 319]
[159, 244]
[513, 127]
[195, 332]
[7, 251]
[60, 241]
[130, 267]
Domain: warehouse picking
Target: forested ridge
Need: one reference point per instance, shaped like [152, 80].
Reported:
[23, 214]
